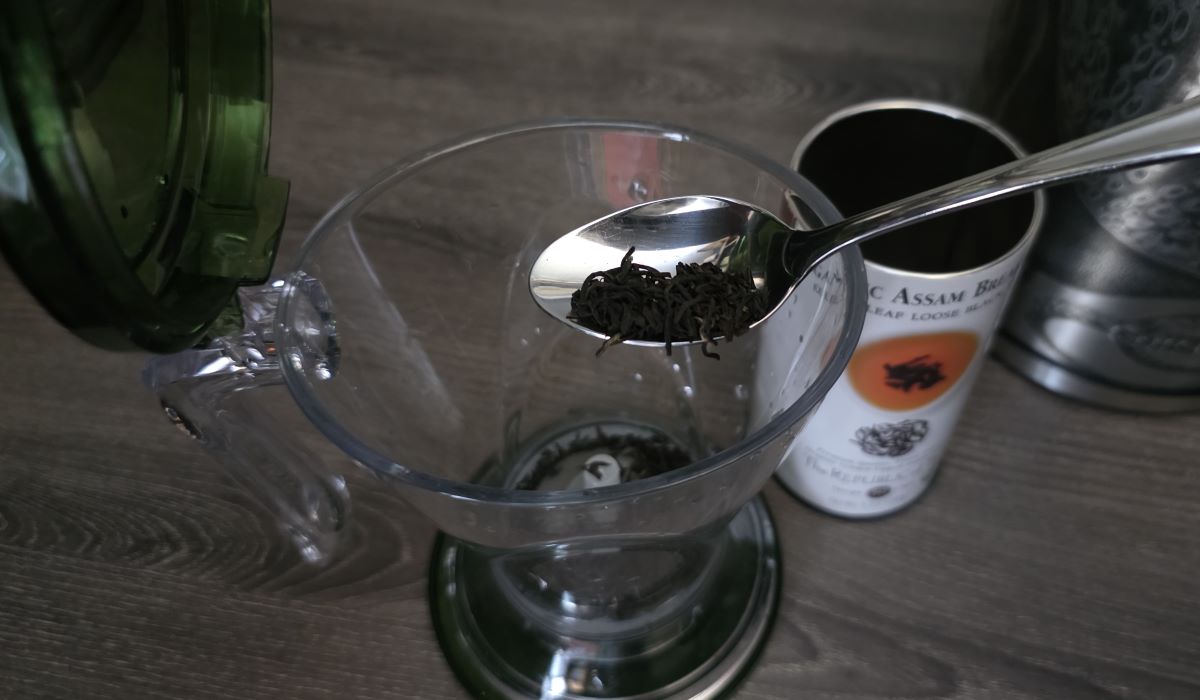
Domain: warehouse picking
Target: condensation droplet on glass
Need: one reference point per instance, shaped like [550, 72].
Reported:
[675, 366]
[637, 376]
[180, 422]
[741, 392]
[638, 190]
[524, 342]
[689, 391]
[307, 550]
[537, 330]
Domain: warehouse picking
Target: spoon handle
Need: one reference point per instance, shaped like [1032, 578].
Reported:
[1165, 135]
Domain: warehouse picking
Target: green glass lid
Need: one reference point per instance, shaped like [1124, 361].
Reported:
[134, 198]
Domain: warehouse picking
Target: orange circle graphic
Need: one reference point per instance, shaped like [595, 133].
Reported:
[901, 374]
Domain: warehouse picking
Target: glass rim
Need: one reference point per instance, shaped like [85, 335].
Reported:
[353, 202]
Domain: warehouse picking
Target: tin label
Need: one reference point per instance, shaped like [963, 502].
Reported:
[875, 442]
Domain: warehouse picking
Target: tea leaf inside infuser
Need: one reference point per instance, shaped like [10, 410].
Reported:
[637, 302]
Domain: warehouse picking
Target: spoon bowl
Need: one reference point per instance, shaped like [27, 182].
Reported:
[701, 229]
[741, 238]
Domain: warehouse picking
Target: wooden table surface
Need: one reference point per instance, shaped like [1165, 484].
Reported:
[1055, 557]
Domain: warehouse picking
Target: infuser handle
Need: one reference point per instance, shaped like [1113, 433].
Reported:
[231, 398]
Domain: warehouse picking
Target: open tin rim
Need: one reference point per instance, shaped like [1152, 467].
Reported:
[941, 109]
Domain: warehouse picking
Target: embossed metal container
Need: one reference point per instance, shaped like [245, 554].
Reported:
[1109, 311]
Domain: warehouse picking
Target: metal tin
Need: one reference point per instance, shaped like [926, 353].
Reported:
[1109, 312]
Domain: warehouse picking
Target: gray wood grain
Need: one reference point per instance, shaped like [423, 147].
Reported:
[1055, 557]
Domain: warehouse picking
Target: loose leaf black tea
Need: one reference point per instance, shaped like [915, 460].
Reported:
[637, 302]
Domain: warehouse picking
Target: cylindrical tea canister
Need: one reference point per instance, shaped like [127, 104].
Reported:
[937, 291]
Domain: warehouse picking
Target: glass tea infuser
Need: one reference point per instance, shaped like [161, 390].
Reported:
[575, 561]
[602, 531]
